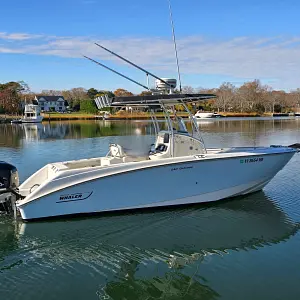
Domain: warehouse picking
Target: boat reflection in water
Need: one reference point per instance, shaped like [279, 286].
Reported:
[132, 253]
[80, 129]
[41, 131]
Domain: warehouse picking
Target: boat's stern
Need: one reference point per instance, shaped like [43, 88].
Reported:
[40, 177]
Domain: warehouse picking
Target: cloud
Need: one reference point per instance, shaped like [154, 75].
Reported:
[8, 50]
[18, 36]
[277, 58]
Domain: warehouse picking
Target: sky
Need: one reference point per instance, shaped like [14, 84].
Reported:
[42, 42]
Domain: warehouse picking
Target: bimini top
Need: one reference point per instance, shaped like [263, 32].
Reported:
[151, 100]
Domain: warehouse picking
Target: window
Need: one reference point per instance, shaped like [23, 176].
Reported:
[60, 108]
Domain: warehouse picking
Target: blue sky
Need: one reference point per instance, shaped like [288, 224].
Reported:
[41, 42]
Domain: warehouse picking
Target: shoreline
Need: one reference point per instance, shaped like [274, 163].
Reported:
[133, 117]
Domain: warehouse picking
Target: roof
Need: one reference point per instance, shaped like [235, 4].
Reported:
[152, 100]
[50, 98]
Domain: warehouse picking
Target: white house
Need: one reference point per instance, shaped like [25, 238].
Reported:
[51, 103]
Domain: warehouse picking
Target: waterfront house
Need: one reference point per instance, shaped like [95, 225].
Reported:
[51, 103]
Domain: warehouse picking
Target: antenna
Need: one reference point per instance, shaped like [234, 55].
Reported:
[175, 46]
[131, 63]
[112, 70]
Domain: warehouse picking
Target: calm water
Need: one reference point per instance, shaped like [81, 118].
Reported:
[245, 248]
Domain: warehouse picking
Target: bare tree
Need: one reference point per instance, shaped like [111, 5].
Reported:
[187, 89]
[251, 95]
[267, 100]
[51, 93]
[226, 95]
[296, 99]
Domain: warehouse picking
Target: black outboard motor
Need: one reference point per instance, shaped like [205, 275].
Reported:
[9, 182]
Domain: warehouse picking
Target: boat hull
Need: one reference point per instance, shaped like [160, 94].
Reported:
[33, 120]
[204, 115]
[195, 181]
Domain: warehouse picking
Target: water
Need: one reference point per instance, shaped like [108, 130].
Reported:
[245, 248]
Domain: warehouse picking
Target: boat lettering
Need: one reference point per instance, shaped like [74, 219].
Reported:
[182, 168]
[74, 197]
[251, 160]
[199, 155]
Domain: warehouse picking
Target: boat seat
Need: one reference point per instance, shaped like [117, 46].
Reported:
[116, 150]
[83, 163]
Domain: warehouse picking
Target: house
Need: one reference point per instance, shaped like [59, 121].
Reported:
[51, 103]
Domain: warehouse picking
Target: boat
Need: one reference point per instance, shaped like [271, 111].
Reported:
[177, 170]
[206, 115]
[32, 114]
[16, 121]
[280, 115]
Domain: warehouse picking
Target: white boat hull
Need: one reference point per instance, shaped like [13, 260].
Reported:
[204, 115]
[32, 120]
[154, 184]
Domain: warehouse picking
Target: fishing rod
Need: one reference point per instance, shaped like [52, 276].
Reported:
[175, 46]
[133, 64]
[114, 71]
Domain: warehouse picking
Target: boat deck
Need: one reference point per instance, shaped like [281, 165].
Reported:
[212, 153]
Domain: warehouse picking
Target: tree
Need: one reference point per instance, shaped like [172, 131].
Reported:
[226, 95]
[92, 93]
[88, 106]
[79, 93]
[9, 100]
[145, 93]
[296, 98]
[251, 95]
[122, 93]
[188, 90]
[10, 95]
[267, 99]
[51, 93]
[74, 97]
[110, 94]
[278, 99]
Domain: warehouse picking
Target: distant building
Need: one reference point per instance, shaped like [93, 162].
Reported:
[51, 103]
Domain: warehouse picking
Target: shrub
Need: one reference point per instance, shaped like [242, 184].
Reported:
[88, 106]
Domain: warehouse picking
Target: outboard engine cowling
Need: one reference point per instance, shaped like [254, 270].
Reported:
[9, 182]
[9, 177]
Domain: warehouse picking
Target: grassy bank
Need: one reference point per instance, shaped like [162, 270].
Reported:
[244, 115]
[138, 116]
[68, 116]
[121, 116]
[8, 118]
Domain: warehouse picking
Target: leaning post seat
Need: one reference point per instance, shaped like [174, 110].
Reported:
[116, 150]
